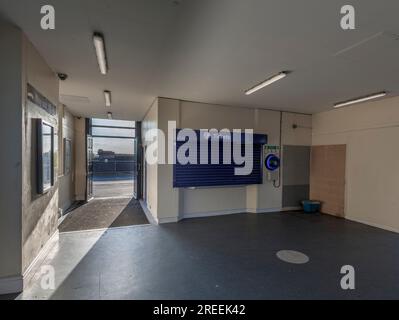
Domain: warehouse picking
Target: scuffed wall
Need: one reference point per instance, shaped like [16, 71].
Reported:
[80, 158]
[39, 212]
[66, 180]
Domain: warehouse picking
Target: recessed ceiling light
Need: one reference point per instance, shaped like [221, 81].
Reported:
[107, 96]
[360, 99]
[267, 82]
[99, 45]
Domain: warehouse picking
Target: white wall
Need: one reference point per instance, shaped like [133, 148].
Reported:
[371, 133]
[169, 205]
[150, 122]
[174, 204]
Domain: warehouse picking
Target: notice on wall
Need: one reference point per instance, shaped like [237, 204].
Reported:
[38, 99]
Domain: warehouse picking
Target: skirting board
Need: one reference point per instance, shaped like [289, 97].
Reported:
[237, 211]
[157, 221]
[273, 210]
[151, 218]
[29, 272]
[154, 220]
[268, 210]
[212, 214]
[291, 209]
[168, 220]
[11, 285]
[375, 225]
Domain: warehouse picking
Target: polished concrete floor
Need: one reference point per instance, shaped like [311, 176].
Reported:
[104, 213]
[229, 257]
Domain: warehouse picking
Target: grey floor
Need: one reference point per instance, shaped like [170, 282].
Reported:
[229, 257]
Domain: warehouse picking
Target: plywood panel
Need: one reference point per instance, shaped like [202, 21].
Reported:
[327, 178]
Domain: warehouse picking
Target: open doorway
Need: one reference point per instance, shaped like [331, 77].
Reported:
[113, 178]
[113, 158]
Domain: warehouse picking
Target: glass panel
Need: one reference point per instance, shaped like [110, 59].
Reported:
[46, 153]
[113, 167]
[112, 132]
[116, 146]
[113, 123]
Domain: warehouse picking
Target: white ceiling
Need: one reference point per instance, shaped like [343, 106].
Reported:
[213, 50]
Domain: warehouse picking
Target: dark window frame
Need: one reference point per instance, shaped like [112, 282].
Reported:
[111, 127]
[39, 165]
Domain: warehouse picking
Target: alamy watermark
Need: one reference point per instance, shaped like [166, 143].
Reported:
[47, 21]
[348, 21]
[205, 146]
[348, 280]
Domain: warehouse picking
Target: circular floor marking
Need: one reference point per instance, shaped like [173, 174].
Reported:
[294, 257]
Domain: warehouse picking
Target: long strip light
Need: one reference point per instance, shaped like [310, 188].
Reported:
[360, 99]
[267, 82]
[99, 45]
[107, 96]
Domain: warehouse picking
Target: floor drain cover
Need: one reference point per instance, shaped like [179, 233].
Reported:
[294, 257]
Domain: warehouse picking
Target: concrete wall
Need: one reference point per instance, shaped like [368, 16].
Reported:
[174, 204]
[371, 133]
[80, 158]
[10, 155]
[66, 181]
[39, 212]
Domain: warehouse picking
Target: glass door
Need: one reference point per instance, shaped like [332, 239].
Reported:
[138, 169]
[114, 158]
[89, 162]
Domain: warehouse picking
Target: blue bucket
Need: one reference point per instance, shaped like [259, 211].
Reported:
[310, 206]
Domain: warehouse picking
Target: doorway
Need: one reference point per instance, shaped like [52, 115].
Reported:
[113, 178]
[114, 157]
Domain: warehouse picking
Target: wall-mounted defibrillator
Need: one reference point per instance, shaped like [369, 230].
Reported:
[272, 163]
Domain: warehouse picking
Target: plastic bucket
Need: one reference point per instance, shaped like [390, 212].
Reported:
[310, 206]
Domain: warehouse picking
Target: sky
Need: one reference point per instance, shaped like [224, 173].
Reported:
[124, 146]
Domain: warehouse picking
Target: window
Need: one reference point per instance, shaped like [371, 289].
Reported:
[113, 123]
[113, 132]
[103, 128]
[45, 156]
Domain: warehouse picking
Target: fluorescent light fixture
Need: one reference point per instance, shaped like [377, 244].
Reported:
[268, 82]
[361, 99]
[109, 114]
[107, 95]
[99, 45]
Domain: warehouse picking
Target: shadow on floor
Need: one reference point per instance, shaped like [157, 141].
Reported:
[9, 296]
[103, 214]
